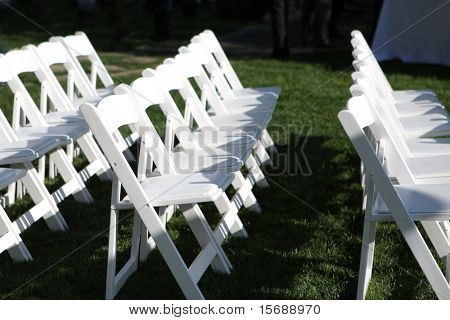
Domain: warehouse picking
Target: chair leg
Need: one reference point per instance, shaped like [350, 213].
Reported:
[256, 173]
[39, 193]
[70, 152]
[268, 142]
[147, 244]
[244, 191]
[41, 167]
[170, 253]
[17, 249]
[93, 153]
[425, 258]
[112, 252]
[69, 174]
[11, 195]
[366, 263]
[51, 169]
[230, 222]
[446, 229]
[262, 155]
[204, 235]
[364, 186]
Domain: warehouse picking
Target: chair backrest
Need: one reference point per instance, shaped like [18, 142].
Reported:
[187, 63]
[10, 238]
[106, 118]
[79, 45]
[380, 107]
[51, 53]
[363, 72]
[22, 61]
[148, 92]
[191, 68]
[374, 71]
[395, 162]
[210, 64]
[355, 119]
[210, 40]
[12, 65]
[171, 78]
[359, 42]
[354, 126]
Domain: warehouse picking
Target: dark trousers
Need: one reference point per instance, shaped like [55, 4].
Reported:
[279, 13]
[161, 16]
[317, 13]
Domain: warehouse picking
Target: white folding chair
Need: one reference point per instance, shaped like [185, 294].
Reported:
[19, 154]
[172, 79]
[404, 109]
[145, 193]
[79, 89]
[190, 155]
[191, 68]
[405, 203]
[209, 39]
[12, 64]
[169, 79]
[80, 46]
[216, 93]
[400, 96]
[10, 239]
[431, 169]
[425, 125]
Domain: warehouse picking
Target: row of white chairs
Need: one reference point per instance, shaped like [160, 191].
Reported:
[400, 137]
[215, 139]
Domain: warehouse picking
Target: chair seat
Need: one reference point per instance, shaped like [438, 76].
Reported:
[240, 152]
[257, 91]
[62, 117]
[430, 125]
[430, 167]
[423, 95]
[408, 109]
[252, 125]
[9, 176]
[423, 202]
[194, 160]
[65, 134]
[214, 138]
[236, 144]
[186, 188]
[425, 147]
[267, 103]
[250, 109]
[26, 150]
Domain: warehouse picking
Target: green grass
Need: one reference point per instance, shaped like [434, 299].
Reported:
[305, 244]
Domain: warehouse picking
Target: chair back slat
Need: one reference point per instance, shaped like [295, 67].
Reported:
[79, 45]
[147, 92]
[21, 61]
[5, 75]
[52, 53]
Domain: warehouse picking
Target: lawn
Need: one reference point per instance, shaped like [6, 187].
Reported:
[304, 245]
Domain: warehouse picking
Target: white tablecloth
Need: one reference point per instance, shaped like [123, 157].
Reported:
[426, 42]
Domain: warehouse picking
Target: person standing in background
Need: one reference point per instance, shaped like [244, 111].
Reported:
[279, 12]
[86, 9]
[316, 14]
[161, 10]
